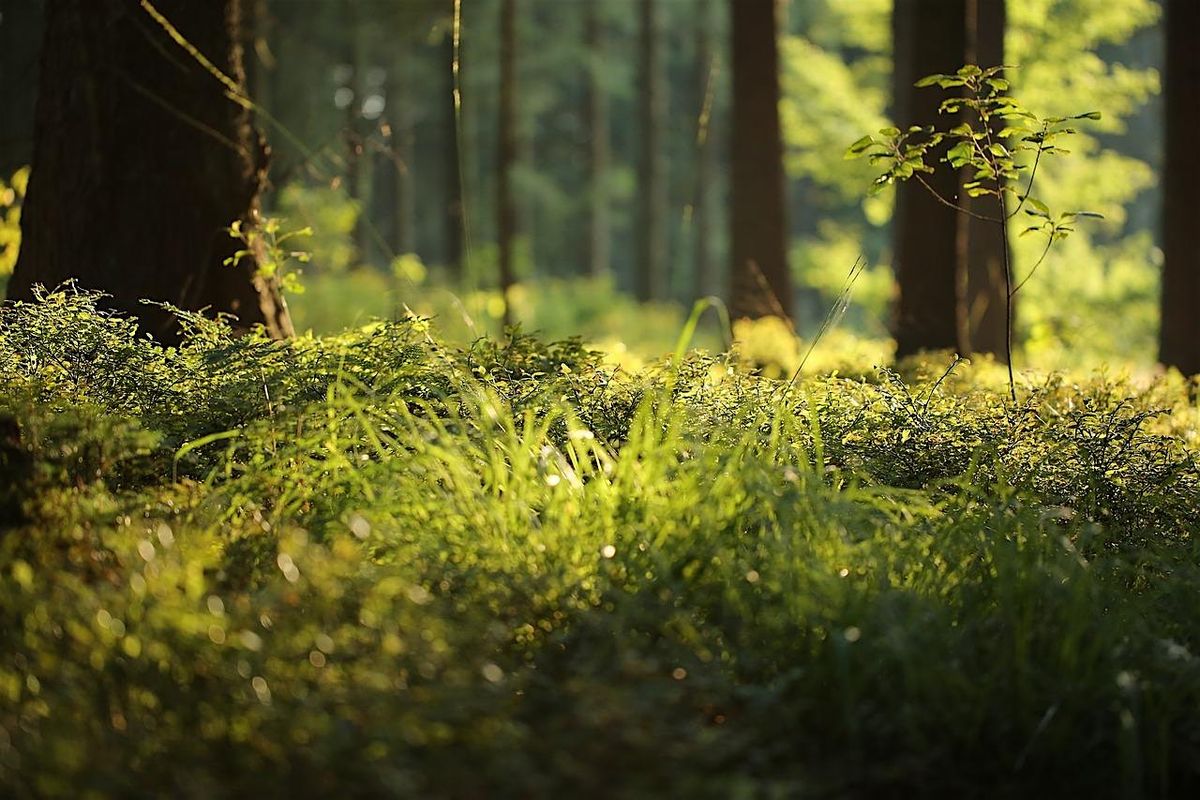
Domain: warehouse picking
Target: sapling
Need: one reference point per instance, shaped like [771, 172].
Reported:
[996, 141]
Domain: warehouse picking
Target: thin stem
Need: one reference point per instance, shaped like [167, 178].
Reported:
[955, 206]
[1033, 269]
[1029, 186]
[1008, 295]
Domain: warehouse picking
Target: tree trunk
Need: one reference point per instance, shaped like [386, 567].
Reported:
[981, 245]
[20, 33]
[929, 37]
[356, 189]
[599, 247]
[506, 215]
[704, 280]
[651, 280]
[141, 162]
[1179, 337]
[400, 160]
[761, 283]
[454, 231]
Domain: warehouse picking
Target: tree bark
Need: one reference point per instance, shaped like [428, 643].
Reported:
[141, 161]
[599, 245]
[704, 279]
[929, 37]
[651, 279]
[20, 33]
[1179, 336]
[761, 283]
[506, 214]
[981, 245]
[454, 231]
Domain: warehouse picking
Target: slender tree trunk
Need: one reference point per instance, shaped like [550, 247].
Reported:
[599, 246]
[651, 280]
[1179, 337]
[455, 235]
[704, 279]
[981, 245]
[506, 215]
[402, 144]
[355, 162]
[761, 283]
[929, 37]
[141, 162]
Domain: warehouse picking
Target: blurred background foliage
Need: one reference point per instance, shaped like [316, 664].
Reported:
[357, 100]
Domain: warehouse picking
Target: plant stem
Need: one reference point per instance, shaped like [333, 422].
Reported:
[1008, 294]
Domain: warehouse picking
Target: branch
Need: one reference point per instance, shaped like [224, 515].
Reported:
[955, 206]
[1033, 269]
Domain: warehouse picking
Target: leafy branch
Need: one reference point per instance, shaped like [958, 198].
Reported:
[992, 138]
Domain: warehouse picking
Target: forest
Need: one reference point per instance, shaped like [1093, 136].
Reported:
[618, 398]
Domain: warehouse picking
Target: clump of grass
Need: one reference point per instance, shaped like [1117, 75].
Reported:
[357, 564]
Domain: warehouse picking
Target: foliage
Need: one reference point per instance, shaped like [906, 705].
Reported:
[356, 564]
[12, 194]
[986, 148]
[1070, 55]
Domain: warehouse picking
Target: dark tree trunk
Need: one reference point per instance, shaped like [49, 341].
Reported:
[704, 279]
[599, 246]
[506, 214]
[651, 280]
[761, 283]
[1179, 337]
[356, 189]
[454, 230]
[981, 245]
[929, 37]
[400, 157]
[141, 162]
[20, 33]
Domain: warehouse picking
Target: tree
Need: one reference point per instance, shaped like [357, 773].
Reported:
[949, 266]
[981, 244]
[455, 228]
[20, 32]
[651, 280]
[704, 278]
[506, 214]
[143, 156]
[1179, 335]
[599, 248]
[929, 37]
[761, 284]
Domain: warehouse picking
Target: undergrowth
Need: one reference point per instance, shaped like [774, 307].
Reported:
[370, 565]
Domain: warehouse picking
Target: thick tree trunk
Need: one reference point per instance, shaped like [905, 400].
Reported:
[506, 214]
[704, 279]
[141, 162]
[651, 279]
[20, 33]
[1179, 337]
[599, 246]
[761, 283]
[981, 245]
[929, 37]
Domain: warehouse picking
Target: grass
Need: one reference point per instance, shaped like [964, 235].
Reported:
[372, 565]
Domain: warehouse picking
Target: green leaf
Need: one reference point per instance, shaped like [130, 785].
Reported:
[858, 148]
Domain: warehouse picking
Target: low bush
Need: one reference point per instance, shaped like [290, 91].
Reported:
[372, 565]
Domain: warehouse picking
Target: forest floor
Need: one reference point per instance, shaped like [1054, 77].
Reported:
[370, 565]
